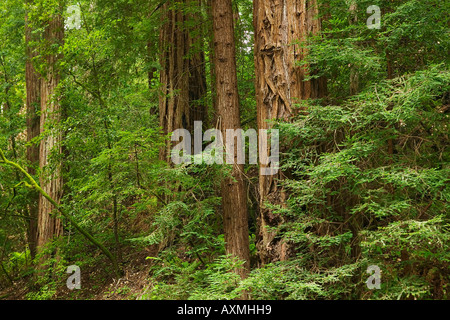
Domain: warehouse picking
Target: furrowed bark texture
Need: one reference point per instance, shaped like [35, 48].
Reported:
[182, 75]
[235, 214]
[49, 225]
[281, 27]
[197, 72]
[33, 86]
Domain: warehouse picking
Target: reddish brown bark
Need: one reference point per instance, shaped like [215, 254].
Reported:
[281, 30]
[234, 201]
[182, 74]
[49, 225]
[33, 85]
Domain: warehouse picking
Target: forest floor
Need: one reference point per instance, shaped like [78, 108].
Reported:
[97, 282]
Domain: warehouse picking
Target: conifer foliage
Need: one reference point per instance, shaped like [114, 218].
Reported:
[98, 97]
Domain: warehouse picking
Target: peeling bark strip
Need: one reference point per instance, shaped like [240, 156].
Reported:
[182, 74]
[281, 28]
[49, 226]
[234, 200]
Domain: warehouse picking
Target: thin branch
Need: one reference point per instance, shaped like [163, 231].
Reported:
[35, 185]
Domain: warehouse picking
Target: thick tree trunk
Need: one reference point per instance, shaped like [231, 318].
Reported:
[173, 103]
[49, 225]
[33, 86]
[197, 70]
[197, 87]
[234, 201]
[182, 75]
[281, 26]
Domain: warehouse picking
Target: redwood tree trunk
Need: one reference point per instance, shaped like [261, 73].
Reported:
[33, 86]
[234, 201]
[182, 74]
[211, 59]
[280, 28]
[173, 103]
[49, 225]
[354, 72]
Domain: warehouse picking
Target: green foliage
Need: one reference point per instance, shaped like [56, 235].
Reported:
[48, 277]
[413, 35]
[362, 198]
[417, 255]
[367, 174]
[189, 221]
[292, 280]
[178, 279]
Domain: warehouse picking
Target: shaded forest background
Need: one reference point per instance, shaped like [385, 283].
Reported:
[86, 113]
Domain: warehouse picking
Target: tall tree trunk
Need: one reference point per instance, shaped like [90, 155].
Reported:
[281, 26]
[49, 225]
[212, 76]
[182, 74]
[197, 86]
[33, 86]
[354, 72]
[173, 102]
[197, 70]
[152, 55]
[151, 75]
[234, 201]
